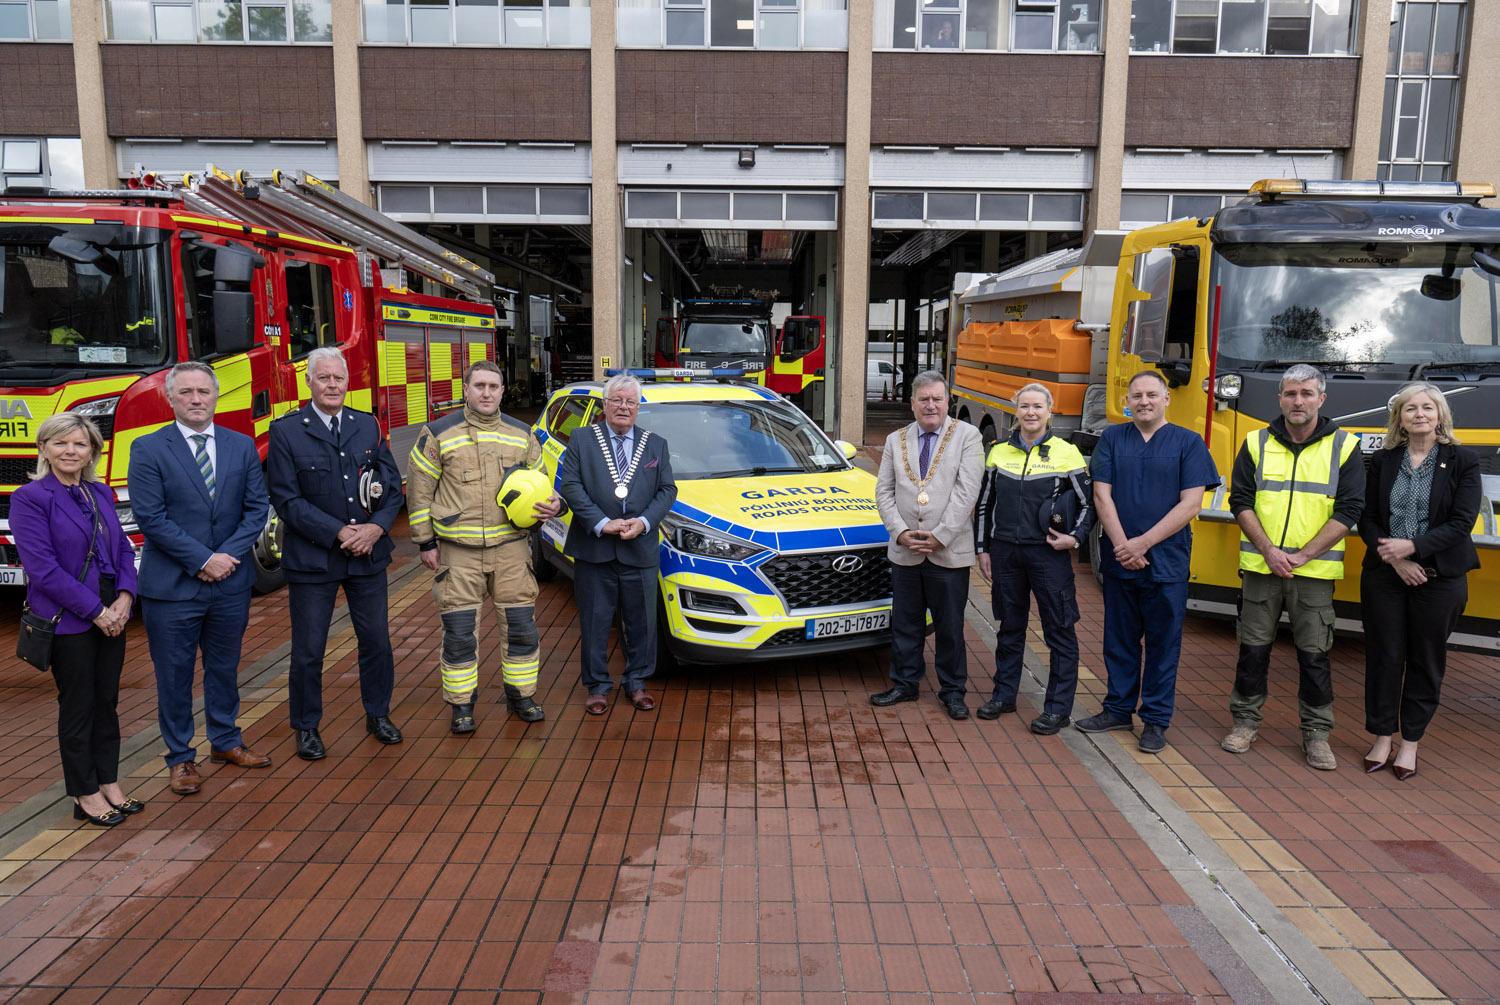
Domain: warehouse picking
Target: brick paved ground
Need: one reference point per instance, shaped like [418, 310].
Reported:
[764, 834]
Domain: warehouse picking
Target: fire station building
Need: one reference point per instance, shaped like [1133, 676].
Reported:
[844, 158]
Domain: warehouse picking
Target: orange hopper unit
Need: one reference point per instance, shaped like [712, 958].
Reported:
[1038, 351]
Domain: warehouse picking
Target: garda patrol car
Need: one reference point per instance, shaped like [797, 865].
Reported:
[774, 547]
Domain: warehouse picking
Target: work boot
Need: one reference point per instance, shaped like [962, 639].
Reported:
[1240, 737]
[463, 720]
[526, 709]
[1319, 754]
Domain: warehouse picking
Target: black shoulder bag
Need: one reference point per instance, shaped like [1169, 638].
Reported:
[34, 641]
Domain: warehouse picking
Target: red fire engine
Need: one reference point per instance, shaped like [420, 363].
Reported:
[716, 334]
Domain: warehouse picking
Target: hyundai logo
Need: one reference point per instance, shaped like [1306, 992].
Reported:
[848, 563]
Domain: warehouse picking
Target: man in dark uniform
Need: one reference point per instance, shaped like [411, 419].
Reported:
[337, 490]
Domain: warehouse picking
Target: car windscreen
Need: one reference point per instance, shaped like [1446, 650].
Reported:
[726, 336]
[726, 439]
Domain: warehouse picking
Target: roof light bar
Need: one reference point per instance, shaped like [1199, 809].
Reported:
[1270, 188]
[677, 373]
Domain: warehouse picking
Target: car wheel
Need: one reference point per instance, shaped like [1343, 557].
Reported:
[1096, 548]
[269, 574]
[666, 660]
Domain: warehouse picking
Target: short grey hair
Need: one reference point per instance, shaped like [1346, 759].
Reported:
[62, 424]
[329, 353]
[1299, 373]
[1039, 389]
[191, 366]
[926, 377]
[622, 382]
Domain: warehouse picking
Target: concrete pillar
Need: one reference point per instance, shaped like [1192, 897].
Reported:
[1374, 44]
[348, 117]
[853, 265]
[605, 227]
[1477, 157]
[100, 167]
[1109, 154]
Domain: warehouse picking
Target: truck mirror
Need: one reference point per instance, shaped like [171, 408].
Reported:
[1437, 287]
[1177, 371]
[234, 265]
[234, 320]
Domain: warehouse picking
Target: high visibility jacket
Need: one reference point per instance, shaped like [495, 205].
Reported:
[1295, 491]
[1018, 483]
[454, 474]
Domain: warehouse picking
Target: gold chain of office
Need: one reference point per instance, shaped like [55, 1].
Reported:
[921, 483]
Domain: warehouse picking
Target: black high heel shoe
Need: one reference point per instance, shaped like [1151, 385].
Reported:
[111, 819]
[130, 807]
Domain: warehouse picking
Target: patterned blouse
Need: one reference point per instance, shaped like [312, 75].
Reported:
[1410, 495]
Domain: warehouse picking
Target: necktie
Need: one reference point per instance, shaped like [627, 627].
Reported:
[205, 466]
[333, 427]
[621, 457]
[925, 456]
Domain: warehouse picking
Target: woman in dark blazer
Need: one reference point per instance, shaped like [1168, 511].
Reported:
[89, 591]
[1421, 497]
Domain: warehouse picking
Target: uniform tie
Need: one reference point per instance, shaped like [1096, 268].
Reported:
[333, 427]
[925, 457]
[205, 466]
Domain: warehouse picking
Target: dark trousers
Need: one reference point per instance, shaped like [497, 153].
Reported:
[176, 630]
[312, 610]
[1406, 647]
[1021, 571]
[601, 589]
[915, 590]
[86, 667]
[1137, 611]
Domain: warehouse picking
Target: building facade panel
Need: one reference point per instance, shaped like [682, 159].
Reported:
[1234, 101]
[707, 96]
[434, 93]
[1009, 99]
[39, 89]
[214, 91]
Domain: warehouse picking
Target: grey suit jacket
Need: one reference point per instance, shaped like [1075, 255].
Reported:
[951, 494]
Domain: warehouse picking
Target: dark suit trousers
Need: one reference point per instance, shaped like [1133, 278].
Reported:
[176, 630]
[86, 667]
[915, 590]
[601, 589]
[1406, 647]
[312, 610]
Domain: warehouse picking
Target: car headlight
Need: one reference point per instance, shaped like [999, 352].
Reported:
[97, 408]
[695, 539]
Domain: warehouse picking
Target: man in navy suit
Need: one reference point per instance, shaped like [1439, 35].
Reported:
[617, 479]
[337, 489]
[200, 500]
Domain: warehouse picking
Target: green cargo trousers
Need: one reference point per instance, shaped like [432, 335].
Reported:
[1308, 604]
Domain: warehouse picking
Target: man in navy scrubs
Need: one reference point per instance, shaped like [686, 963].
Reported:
[1149, 478]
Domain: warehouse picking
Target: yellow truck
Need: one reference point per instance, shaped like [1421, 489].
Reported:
[1375, 283]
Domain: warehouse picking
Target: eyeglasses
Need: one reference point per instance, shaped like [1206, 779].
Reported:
[622, 402]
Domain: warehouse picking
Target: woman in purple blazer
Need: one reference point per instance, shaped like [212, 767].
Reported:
[52, 521]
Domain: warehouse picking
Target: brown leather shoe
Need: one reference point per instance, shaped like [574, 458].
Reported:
[185, 778]
[596, 705]
[242, 757]
[642, 701]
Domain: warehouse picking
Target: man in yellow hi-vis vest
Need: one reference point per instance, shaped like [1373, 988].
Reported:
[1296, 490]
[454, 475]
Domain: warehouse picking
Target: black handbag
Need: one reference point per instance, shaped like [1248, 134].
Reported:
[34, 641]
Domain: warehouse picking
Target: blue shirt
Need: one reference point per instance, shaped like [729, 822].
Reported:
[1146, 479]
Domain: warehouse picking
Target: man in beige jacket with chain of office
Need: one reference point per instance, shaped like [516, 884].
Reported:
[929, 481]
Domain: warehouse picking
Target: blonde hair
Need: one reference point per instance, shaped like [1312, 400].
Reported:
[61, 425]
[1396, 437]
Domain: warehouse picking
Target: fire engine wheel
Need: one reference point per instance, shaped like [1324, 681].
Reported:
[541, 566]
[269, 575]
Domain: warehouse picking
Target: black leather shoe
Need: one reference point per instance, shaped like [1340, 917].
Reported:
[892, 697]
[130, 807]
[995, 709]
[527, 710]
[463, 720]
[1047, 723]
[114, 817]
[310, 745]
[956, 708]
[382, 728]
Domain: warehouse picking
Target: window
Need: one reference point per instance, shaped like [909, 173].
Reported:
[270, 21]
[1421, 90]
[1144, 209]
[1242, 27]
[310, 314]
[35, 20]
[988, 25]
[567, 415]
[198, 298]
[520, 23]
[734, 24]
[1146, 330]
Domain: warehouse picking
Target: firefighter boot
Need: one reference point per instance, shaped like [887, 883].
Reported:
[526, 708]
[463, 719]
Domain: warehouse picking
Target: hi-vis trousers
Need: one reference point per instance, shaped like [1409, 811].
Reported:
[465, 577]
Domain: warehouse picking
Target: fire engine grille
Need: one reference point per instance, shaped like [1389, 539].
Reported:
[811, 580]
[16, 471]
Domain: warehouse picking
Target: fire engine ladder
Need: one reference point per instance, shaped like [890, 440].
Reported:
[303, 204]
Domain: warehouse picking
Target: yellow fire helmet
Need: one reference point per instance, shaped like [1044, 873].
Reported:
[520, 493]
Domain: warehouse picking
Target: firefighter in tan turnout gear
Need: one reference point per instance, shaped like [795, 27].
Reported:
[457, 467]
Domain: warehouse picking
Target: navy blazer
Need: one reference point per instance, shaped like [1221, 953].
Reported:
[1448, 545]
[52, 535]
[182, 524]
[314, 485]
[586, 487]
